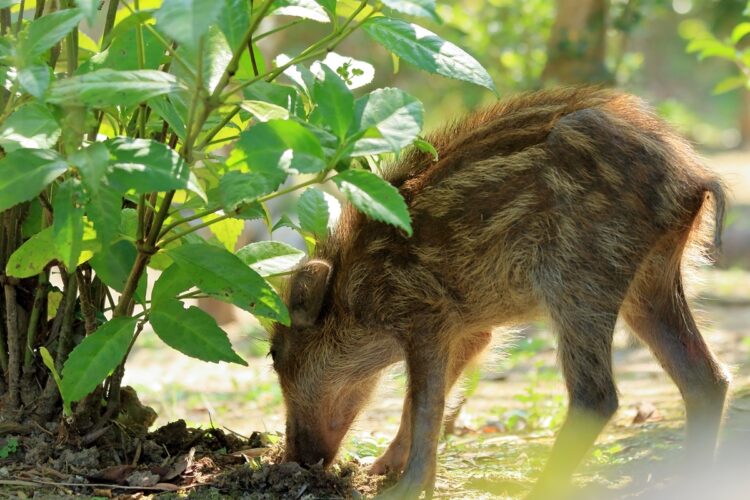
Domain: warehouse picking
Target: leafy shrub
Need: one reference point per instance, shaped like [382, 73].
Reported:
[117, 151]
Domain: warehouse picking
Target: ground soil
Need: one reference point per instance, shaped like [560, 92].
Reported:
[226, 420]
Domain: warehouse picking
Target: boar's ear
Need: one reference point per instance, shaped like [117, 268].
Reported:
[308, 289]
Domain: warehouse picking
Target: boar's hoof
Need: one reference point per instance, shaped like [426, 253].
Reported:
[390, 462]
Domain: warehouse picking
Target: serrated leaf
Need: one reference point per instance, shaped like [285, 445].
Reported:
[186, 21]
[316, 211]
[227, 231]
[395, 114]
[192, 332]
[334, 103]
[306, 9]
[43, 33]
[67, 227]
[418, 8]
[35, 79]
[270, 257]
[25, 172]
[425, 50]
[30, 126]
[145, 166]
[95, 357]
[276, 148]
[106, 87]
[374, 197]
[224, 276]
[171, 283]
[237, 188]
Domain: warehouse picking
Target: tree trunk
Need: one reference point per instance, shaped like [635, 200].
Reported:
[577, 46]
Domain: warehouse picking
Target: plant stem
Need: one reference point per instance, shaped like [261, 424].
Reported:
[65, 340]
[88, 310]
[19, 21]
[39, 8]
[231, 68]
[36, 311]
[277, 29]
[14, 353]
[109, 22]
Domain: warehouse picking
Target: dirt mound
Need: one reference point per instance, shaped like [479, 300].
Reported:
[174, 460]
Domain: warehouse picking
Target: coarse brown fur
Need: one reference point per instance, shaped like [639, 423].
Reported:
[573, 203]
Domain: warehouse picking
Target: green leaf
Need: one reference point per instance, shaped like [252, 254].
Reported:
[171, 283]
[95, 357]
[730, 83]
[427, 147]
[306, 9]
[50, 364]
[236, 188]
[270, 257]
[168, 112]
[417, 8]
[90, 9]
[32, 257]
[113, 264]
[145, 166]
[227, 231]
[316, 211]
[104, 209]
[224, 276]
[374, 197]
[233, 21]
[334, 103]
[67, 227]
[186, 21]
[25, 172]
[264, 111]
[106, 87]
[122, 53]
[395, 114]
[192, 332]
[425, 50]
[278, 147]
[35, 79]
[30, 126]
[92, 163]
[740, 31]
[43, 33]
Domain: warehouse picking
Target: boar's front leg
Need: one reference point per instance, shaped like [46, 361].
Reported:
[394, 458]
[427, 368]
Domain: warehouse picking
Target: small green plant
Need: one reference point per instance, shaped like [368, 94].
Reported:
[10, 447]
[540, 410]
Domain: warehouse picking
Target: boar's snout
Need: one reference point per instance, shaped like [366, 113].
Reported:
[308, 446]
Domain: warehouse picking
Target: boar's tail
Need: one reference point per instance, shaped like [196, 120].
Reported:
[716, 190]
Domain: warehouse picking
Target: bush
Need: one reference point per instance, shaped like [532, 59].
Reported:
[115, 152]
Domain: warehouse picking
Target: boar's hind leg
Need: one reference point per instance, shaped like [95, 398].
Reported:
[394, 458]
[659, 314]
[585, 343]
[427, 367]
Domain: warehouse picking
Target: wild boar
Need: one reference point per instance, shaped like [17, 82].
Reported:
[575, 204]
